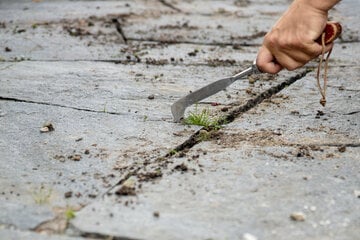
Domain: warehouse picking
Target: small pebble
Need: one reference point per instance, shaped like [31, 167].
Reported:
[156, 214]
[342, 149]
[297, 216]
[357, 193]
[151, 97]
[47, 127]
[68, 194]
[248, 236]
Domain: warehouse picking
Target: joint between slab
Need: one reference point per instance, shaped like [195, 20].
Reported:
[169, 5]
[55, 105]
[195, 139]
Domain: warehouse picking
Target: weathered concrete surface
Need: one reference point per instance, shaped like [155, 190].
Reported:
[23, 235]
[105, 74]
[238, 191]
[287, 155]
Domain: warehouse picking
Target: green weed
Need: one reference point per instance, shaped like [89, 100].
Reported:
[203, 135]
[69, 214]
[203, 118]
[41, 195]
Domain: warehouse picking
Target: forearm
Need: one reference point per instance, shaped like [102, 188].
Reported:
[323, 5]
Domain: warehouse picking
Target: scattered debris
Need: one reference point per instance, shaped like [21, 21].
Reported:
[126, 191]
[61, 158]
[220, 62]
[297, 216]
[156, 214]
[193, 53]
[145, 177]
[75, 157]
[357, 193]
[68, 194]
[342, 149]
[319, 114]
[181, 167]
[248, 236]
[47, 127]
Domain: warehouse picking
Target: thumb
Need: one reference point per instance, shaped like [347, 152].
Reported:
[266, 62]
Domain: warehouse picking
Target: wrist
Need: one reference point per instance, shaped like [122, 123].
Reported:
[320, 5]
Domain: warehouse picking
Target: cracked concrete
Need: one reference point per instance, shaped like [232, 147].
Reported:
[115, 166]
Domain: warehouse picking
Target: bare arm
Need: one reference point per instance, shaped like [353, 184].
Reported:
[291, 42]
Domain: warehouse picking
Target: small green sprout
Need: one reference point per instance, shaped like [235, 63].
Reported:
[172, 152]
[41, 195]
[203, 135]
[69, 214]
[204, 119]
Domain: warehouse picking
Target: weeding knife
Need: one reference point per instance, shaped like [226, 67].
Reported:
[332, 31]
[178, 108]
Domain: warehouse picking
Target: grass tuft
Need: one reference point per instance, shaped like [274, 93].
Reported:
[41, 195]
[69, 214]
[203, 118]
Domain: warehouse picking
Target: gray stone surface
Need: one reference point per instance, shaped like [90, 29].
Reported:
[105, 73]
[22, 215]
[12, 234]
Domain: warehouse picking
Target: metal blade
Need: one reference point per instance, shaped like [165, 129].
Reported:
[179, 107]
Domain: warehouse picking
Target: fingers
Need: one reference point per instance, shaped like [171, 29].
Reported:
[266, 62]
[274, 60]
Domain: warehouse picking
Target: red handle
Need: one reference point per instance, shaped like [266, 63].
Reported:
[332, 31]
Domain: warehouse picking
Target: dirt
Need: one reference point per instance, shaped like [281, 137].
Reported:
[342, 149]
[75, 157]
[220, 62]
[126, 191]
[179, 26]
[68, 194]
[149, 176]
[103, 30]
[154, 61]
[181, 167]
[249, 37]
[242, 3]
[156, 214]
[256, 138]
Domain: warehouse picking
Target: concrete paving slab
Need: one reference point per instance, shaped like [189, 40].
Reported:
[116, 89]
[21, 215]
[248, 181]
[270, 174]
[22, 11]
[284, 156]
[237, 192]
[25, 235]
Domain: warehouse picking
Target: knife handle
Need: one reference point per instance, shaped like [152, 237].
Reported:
[332, 31]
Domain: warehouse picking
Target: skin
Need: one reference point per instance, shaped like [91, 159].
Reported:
[291, 42]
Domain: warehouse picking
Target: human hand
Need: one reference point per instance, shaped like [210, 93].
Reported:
[292, 41]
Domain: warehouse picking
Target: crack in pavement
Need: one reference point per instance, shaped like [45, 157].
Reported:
[161, 162]
[140, 116]
[169, 5]
[57, 105]
[119, 29]
[224, 44]
[230, 117]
